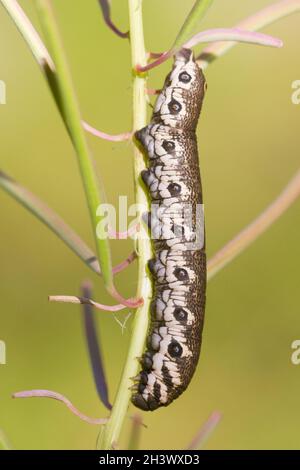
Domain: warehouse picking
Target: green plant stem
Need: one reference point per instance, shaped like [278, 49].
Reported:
[67, 100]
[196, 14]
[72, 118]
[112, 429]
[29, 33]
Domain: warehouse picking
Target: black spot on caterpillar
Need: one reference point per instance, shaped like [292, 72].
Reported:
[179, 272]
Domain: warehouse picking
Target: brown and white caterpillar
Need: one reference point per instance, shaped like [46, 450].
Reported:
[179, 266]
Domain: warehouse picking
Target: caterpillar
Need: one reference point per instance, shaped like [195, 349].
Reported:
[179, 268]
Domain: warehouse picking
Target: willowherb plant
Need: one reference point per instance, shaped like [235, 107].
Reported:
[53, 64]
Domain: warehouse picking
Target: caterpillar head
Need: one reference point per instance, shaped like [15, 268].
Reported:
[180, 101]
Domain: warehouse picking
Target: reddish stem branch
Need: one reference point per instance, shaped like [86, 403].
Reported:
[103, 135]
[105, 8]
[160, 60]
[73, 299]
[205, 431]
[135, 433]
[120, 267]
[153, 91]
[154, 55]
[124, 235]
[247, 236]
[131, 303]
[63, 399]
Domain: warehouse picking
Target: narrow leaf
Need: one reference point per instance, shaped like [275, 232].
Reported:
[194, 17]
[213, 35]
[94, 348]
[60, 83]
[44, 60]
[233, 34]
[36, 46]
[105, 7]
[72, 118]
[255, 22]
[104, 135]
[40, 393]
[71, 113]
[52, 220]
[249, 234]
[74, 299]
[29, 33]
[56, 224]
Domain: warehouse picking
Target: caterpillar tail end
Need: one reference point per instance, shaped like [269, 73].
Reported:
[145, 405]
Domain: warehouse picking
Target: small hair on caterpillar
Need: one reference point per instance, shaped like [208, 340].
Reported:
[179, 273]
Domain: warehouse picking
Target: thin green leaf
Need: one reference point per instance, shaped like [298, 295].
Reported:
[259, 20]
[29, 33]
[35, 44]
[71, 114]
[44, 60]
[256, 228]
[73, 122]
[219, 34]
[52, 220]
[196, 14]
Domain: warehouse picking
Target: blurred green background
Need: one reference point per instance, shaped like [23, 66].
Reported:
[249, 148]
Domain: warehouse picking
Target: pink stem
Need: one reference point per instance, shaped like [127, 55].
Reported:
[83, 300]
[258, 20]
[104, 135]
[212, 35]
[117, 31]
[250, 233]
[131, 303]
[120, 267]
[58, 396]
[124, 235]
[152, 91]
[161, 59]
[154, 55]
[205, 431]
[233, 34]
